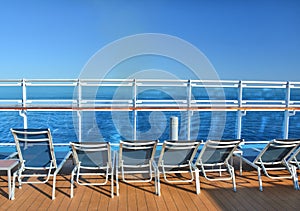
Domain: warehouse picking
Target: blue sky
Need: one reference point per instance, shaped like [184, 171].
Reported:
[244, 40]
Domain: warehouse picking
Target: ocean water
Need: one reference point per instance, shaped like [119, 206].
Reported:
[117, 125]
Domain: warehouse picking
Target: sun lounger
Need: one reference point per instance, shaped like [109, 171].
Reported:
[272, 158]
[214, 158]
[93, 162]
[177, 157]
[37, 156]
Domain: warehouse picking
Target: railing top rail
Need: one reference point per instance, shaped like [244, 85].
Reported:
[150, 81]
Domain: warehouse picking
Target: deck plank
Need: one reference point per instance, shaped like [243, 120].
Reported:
[151, 196]
[94, 203]
[131, 196]
[122, 198]
[141, 199]
[166, 195]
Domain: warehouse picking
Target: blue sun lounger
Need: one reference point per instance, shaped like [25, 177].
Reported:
[214, 158]
[94, 164]
[38, 158]
[271, 158]
[135, 162]
[177, 157]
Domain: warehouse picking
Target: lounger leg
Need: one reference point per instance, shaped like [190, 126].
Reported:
[117, 181]
[197, 181]
[13, 186]
[259, 179]
[72, 185]
[53, 188]
[158, 182]
[19, 179]
[295, 177]
[241, 166]
[155, 182]
[112, 183]
[233, 178]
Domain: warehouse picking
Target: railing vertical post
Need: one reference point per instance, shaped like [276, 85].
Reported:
[240, 113]
[287, 112]
[189, 110]
[79, 111]
[23, 113]
[134, 108]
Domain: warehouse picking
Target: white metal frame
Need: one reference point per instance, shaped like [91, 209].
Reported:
[276, 164]
[103, 150]
[51, 170]
[220, 164]
[145, 165]
[167, 166]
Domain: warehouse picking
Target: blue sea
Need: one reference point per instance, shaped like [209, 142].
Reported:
[256, 125]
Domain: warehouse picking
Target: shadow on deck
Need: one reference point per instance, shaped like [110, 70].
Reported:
[277, 195]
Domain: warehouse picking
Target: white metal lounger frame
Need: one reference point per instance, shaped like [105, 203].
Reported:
[143, 163]
[294, 159]
[185, 151]
[279, 159]
[24, 136]
[208, 161]
[92, 156]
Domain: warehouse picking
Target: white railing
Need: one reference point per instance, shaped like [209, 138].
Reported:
[182, 95]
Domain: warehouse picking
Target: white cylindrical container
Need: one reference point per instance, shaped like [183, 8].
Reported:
[174, 128]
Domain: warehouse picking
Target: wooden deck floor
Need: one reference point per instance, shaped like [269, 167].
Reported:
[277, 195]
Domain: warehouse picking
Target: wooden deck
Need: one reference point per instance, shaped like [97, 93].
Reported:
[277, 195]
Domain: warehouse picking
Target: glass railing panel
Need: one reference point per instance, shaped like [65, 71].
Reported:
[9, 119]
[106, 125]
[262, 125]
[294, 126]
[295, 94]
[156, 124]
[215, 125]
[60, 124]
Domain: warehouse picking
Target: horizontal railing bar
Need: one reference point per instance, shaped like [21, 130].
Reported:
[263, 101]
[55, 85]
[162, 80]
[162, 101]
[214, 81]
[264, 87]
[51, 80]
[264, 82]
[108, 101]
[52, 100]
[215, 85]
[101, 85]
[13, 100]
[162, 83]
[10, 80]
[8, 85]
[212, 107]
[216, 101]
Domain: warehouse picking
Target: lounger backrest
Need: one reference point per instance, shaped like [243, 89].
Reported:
[277, 150]
[92, 154]
[35, 147]
[137, 153]
[178, 152]
[217, 151]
